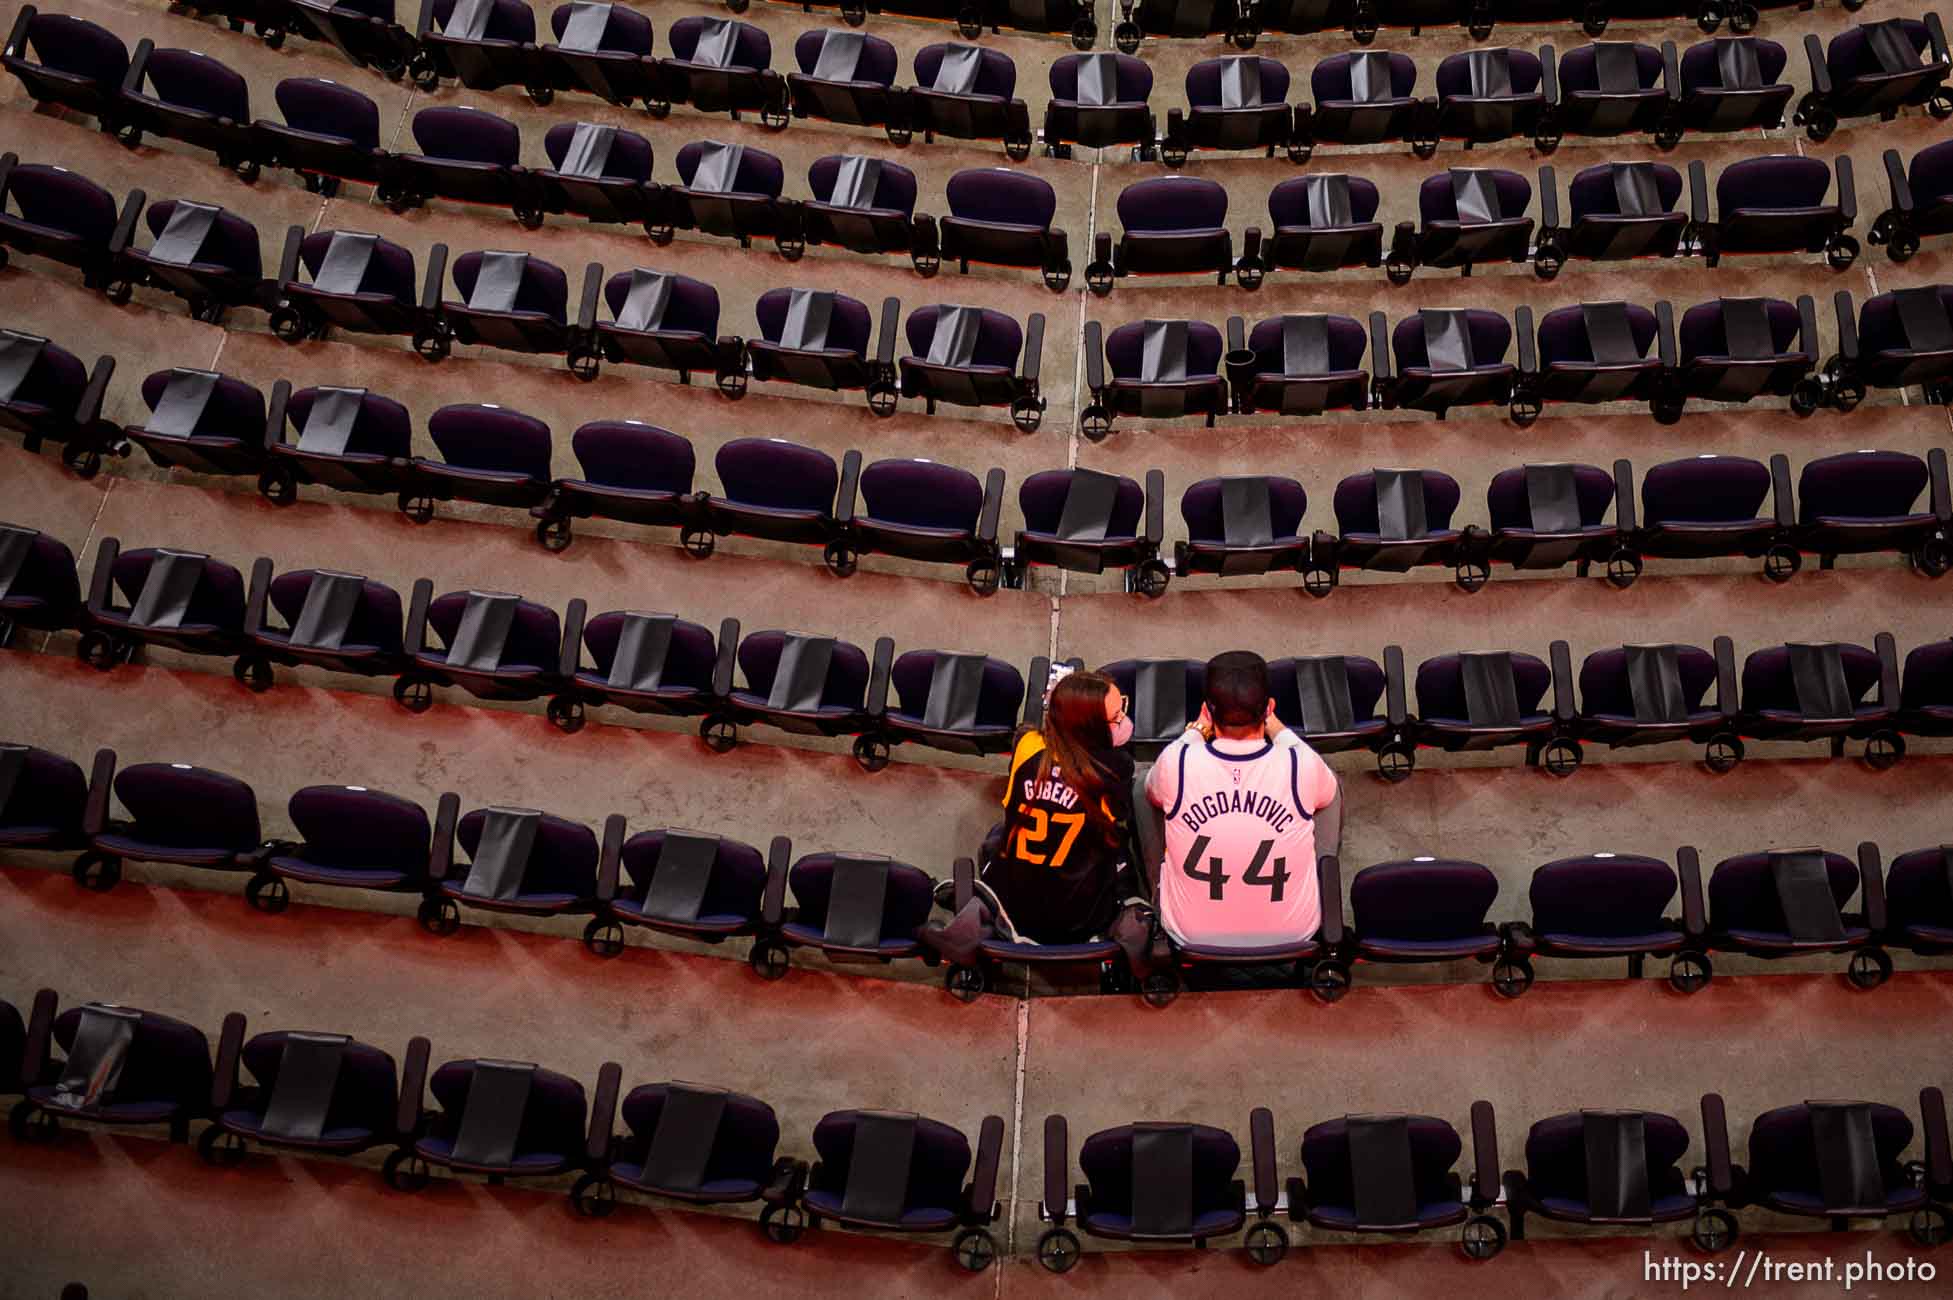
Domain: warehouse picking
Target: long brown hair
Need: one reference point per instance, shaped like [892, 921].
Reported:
[1075, 732]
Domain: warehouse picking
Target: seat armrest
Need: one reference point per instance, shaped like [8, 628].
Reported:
[1782, 499]
[1942, 498]
[274, 420]
[17, 38]
[437, 271]
[1102, 251]
[1057, 1168]
[570, 657]
[1528, 347]
[413, 1083]
[1237, 334]
[593, 286]
[1698, 193]
[1379, 347]
[1847, 190]
[891, 326]
[1033, 362]
[1807, 323]
[1895, 180]
[963, 878]
[1034, 681]
[1814, 55]
[1549, 77]
[612, 853]
[980, 1197]
[1665, 334]
[1626, 520]
[1715, 1142]
[728, 653]
[288, 259]
[1549, 200]
[879, 671]
[1485, 1153]
[993, 505]
[1841, 306]
[1329, 883]
[416, 640]
[102, 579]
[1261, 1141]
[924, 237]
[40, 1035]
[101, 783]
[125, 226]
[89, 408]
[1564, 708]
[230, 1046]
[1939, 1151]
[1871, 882]
[138, 65]
[789, 1181]
[440, 852]
[1671, 72]
[1396, 704]
[844, 495]
[1888, 670]
[1695, 915]
[1936, 35]
[603, 1115]
[1725, 677]
[773, 903]
[426, 23]
[1094, 356]
[1251, 246]
[254, 605]
[1155, 506]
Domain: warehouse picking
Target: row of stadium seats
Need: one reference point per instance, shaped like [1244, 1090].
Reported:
[865, 908]
[330, 1094]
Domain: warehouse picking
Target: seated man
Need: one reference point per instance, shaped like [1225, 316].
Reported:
[1246, 805]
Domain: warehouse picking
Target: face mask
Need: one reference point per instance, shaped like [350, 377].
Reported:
[1121, 732]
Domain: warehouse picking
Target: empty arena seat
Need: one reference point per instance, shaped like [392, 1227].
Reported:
[1618, 210]
[110, 1064]
[489, 454]
[182, 600]
[647, 663]
[1100, 100]
[201, 421]
[851, 907]
[1242, 524]
[1859, 502]
[341, 622]
[1614, 88]
[778, 490]
[603, 49]
[188, 96]
[46, 393]
[1919, 895]
[1469, 215]
[1620, 1168]
[1323, 222]
[970, 356]
[1775, 204]
[1489, 699]
[1139, 19]
[867, 205]
[1791, 903]
[1875, 69]
[1344, 702]
[1655, 693]
[1922, 200]
[1161, 370]
[959, 703]
[924, 510]
[1084, 520]
[1297, 364]
[509, 300]
[39, 587]
[495, 646]
[344, 279]
[1733, 83]
[64, 217]
[596, 171]
[69, 61]
[43, 797]
[845, 76]
[1306, 17]
[1594, 352]
[718, 65]
[1393, 520]
[1494, 94]
[205, 255]
[1004, 217]
[685, 883]
[1545, 516]
[318, 1093]
[688, 1143]
[351, 439]
[1609, 906]
[484, 44]
[1826, 691]
[658, 319]
[1234, 103]
[1926, 706]
[1844, 1160]
[365, 31]
[467, 155]
[179, 814]
[817, 338]
[1900, 338]
[803, 684]
[632, 472]
[355, 837]
[1171, 225]
[1394, 1173]
[894, 1171]
[1711, 505]
[1428, 909]
[1736, 349]
[1449, 357]
[967, 92]
[728, 190]
[521, 860]
[330, 133]
[1361, 97]
[503, 1119]
[1163, 696]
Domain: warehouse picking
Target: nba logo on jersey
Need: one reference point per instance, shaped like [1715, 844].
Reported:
[1236, 774]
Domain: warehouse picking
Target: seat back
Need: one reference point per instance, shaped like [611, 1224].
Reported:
[493, 438]
[1422, 899]
[184, 807]
[355, 827]
[847, 669]
[363, 1094]
[562, 859]
[1602, 895]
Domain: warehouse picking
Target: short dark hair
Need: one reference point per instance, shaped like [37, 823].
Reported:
[1237, 688]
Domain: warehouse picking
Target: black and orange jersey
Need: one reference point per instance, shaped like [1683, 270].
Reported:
[1056, 872]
